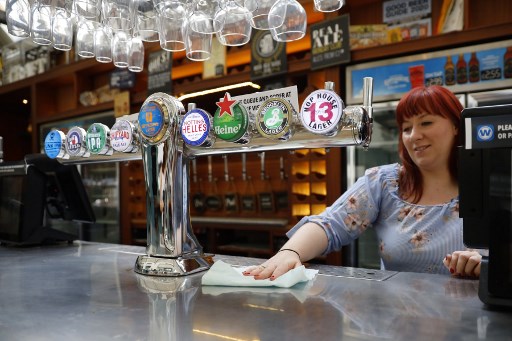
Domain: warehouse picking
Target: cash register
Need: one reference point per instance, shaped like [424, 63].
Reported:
[485, 192]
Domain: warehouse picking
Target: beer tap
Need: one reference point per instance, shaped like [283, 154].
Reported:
[169, 138]
[172, 249]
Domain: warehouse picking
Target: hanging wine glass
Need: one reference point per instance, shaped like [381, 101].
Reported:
[198, 45]
[201, 17]
[328, 5]
[103, 44]
[289, 20]
[118, 14]
[41, 22]
[17, 14]
[236, 28]
[259, 13]
[146, 21]
[121, 48]
[62, 25]
[136, 54]
[87, 9]
[84, 40]
[171, 15]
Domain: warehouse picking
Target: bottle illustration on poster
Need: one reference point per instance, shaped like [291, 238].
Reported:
[462, 70]
[474, 68]
[449, 71]
[507, 63]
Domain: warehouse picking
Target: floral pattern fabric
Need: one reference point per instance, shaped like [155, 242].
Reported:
[411, 237]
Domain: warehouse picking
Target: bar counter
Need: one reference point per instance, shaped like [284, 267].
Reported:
[89, 291]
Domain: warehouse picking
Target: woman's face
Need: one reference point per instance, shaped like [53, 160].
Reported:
[429, 139]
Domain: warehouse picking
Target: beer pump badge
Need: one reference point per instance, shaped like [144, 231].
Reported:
[97, 138]
[231, 120]
[321, 112]
[151, 119]
[54, 144]
[274, 119]
[122, 137]
[195, 127]
[75, 142]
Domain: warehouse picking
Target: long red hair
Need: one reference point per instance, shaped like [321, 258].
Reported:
[435, 100]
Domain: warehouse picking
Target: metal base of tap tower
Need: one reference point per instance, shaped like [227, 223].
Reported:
[168, 267]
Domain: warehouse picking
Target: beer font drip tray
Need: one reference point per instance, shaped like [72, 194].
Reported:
[357, 273]
[325, 270]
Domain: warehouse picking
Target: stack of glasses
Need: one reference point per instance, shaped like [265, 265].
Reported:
[114, 30]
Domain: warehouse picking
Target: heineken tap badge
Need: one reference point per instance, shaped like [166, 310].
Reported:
[231, 121]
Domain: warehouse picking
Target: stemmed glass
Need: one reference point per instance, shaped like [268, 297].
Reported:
[136, 54]
[146, 21]
[288, 19]
[62, 25]
[118, 14]
[259, 13]
[328, 5]
[87, 9]
[17, 14]
[121, 48]
[84, 41]
[41, 22]
[171, 16]
[201, 16]
[198, 45]
[103, 44]
[236, 26]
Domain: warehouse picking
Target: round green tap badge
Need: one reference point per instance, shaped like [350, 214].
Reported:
[231, 120]
[96, 138]
[274, 118]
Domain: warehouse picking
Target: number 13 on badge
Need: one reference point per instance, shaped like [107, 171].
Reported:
[321, 111]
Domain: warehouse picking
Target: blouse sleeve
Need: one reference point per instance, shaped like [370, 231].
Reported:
[351, 214]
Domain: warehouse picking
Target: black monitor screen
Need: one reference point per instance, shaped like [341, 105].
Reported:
[485, 189]
[34, 190]
[11, 205]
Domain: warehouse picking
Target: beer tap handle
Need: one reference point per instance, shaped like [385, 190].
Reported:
[368, 96]
[194, 170]
[1, 149]
[226, 171]
[210, 170]
[262, 171]
[244, 167]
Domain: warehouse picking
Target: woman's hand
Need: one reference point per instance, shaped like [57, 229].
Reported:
[463, 263]
[279, 264]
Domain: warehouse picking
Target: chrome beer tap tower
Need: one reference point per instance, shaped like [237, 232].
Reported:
[172, 248]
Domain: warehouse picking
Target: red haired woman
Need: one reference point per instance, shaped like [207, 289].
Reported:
[413, 207]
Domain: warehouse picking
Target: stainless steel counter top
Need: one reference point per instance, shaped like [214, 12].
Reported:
[89, 291]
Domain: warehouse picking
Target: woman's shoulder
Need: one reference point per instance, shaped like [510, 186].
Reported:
[384, 172]
[383, 179]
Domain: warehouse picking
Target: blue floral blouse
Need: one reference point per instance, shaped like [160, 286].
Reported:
[412, 237]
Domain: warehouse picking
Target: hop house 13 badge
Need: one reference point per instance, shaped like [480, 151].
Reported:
[321, 112]
[231, 121]
[274, 119]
